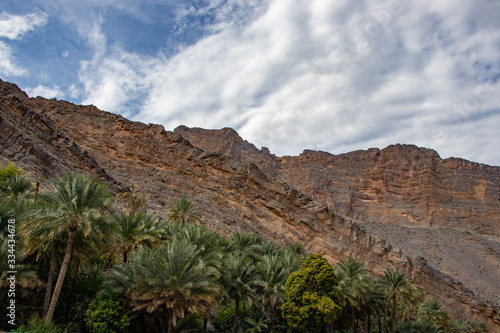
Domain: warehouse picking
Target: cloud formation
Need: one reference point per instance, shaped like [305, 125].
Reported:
[290, 75]
[8, 64]
[14, 27]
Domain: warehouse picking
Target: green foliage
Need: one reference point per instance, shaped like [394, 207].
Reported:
[16, 187]
[430, 310]
[105, 315]
[418, 326]
[311, 298]
[8, 171]
[184, 211]
[36, 325]
[256, 326]
[469, 326]
[224, 319]
[173, 275]
[171, 281]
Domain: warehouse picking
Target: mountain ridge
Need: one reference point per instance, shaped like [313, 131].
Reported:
[235, 194]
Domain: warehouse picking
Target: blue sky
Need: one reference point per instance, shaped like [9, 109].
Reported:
[333, 75]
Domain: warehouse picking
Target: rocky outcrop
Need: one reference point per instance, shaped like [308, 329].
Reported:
[400, 184]
[444, 210]
[234, 192]
[36, 143]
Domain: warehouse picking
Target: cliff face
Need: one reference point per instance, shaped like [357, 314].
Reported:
[237, 186]
[400, 184]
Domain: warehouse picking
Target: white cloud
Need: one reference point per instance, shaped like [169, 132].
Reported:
[335, 76]
[111, 79]
[8, 64]
[44, 91]
[15, 27]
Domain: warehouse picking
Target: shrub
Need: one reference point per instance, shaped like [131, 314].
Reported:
[8, 171]
[104, 315]
[36, 325]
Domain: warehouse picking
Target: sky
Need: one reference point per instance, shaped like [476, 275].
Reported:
[331, 75]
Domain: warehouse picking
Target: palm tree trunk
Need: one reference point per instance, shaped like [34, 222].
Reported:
[170, 328]
[379, 324]
[271, 316]
[50, 281]
[60, 278]
[36, 192]
[394, 314]
[236, 313]
[353, 321]
[385, 320]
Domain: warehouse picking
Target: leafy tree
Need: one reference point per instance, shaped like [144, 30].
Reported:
[184, 211]
[75, 211]
[105, 315]
[311, 297]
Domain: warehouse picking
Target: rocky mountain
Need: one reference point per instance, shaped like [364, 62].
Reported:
[399, 207]
[445, 210]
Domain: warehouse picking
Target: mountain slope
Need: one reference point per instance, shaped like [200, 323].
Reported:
[447, 211]
[232, 192]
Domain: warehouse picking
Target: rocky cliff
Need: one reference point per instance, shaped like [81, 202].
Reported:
[445, 210]
[239, 187]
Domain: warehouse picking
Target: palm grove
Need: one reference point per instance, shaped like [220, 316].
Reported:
[90, 261]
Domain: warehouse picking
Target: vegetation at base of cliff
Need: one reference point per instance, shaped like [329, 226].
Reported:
[83, 265]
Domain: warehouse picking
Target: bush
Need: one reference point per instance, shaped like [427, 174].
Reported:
[36, 325]
[224, 320]
[104, 315]
[8, 171]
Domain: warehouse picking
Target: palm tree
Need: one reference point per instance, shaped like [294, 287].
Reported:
[26, 275]
[172, 281]
[135, 202]
[273, 271]
[398, 290]
[17, 187]
[74, 210]
[353, 284]
[11, 209]
[378, 303]
[246, 243]
[431, 310]
[184, 211]
[136, 229]
[239, 280]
